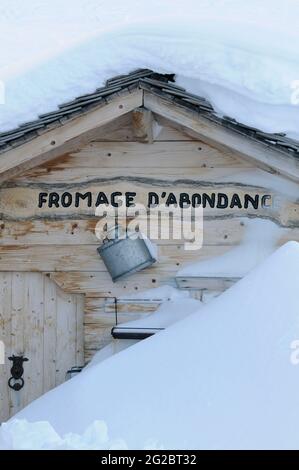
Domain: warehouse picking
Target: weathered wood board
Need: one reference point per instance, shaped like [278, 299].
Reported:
[61, 241]
[100, 317]
[43, 323]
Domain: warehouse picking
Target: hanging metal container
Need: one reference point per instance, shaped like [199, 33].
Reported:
[123, 255]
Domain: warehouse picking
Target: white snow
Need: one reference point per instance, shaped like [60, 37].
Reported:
[19, 434]
[222, 379]
[162, 293]
[260, 178]
[243, 56]
[259, 242]
[168, 313]
[111, 349]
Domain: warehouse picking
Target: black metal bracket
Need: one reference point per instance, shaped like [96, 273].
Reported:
[16, 381]
[126, 332]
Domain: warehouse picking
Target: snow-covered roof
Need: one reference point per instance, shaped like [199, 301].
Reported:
[162, 84]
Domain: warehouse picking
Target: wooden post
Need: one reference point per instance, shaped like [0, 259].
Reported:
[142, 123]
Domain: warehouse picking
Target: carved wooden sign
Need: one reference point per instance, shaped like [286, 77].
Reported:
[219, 200]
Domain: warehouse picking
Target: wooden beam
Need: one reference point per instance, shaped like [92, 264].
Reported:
[85, 258]
[142, 123]
[65, 138]
[216, 231]
[214, 283]
[95, 284]
[215, 134]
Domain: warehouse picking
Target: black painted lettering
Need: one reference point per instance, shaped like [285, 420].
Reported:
[264, 200]
[42, 199]
[254, 201]
[184, 200]
[53, 200]
[208, 199]
[102, 199]
[79, 196]
[196, 200]
[153, 199]
[130, 199]
[114, 195]
[222, 201]
[171, 200]
[66, 199]
[235, 201]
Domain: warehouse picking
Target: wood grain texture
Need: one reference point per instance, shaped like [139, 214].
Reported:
[100, 317]
[121, 130]
[41, 322]
[142, 124]
[64, 138]
[99, 283]
[209, 283]
[85, 258]
[216, 231]
[6, 337]
[261, 155]
[22, 202]
[62, 241]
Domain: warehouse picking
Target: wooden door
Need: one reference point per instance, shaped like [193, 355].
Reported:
[43, 323]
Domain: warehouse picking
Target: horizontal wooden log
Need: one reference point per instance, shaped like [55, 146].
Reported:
[49, 232]
[131, 306]
[85, 258]
[71, 177]
[176, 154]
[99, 283]
[108, 319]
[204, 282]
[21, 202]
[216, 231]
[137, 155]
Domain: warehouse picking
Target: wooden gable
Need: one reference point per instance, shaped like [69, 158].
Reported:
[125, 148]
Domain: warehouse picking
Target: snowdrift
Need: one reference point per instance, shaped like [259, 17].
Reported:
[242, 56]
[169, 312]
[219, 380]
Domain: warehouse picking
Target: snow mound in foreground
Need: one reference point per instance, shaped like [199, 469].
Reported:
[222, 379]
[20, 434]
[169, 312]
[258, 243]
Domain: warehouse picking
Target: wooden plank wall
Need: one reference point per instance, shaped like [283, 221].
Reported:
[37, 320]
[62, 242]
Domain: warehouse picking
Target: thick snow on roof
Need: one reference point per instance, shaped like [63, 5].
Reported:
[242, 56]
[224, 378]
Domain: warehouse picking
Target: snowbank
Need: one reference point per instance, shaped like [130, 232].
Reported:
[19, 434]
[221, 379]
[242, 56]
[169, 312]
[259, 242]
